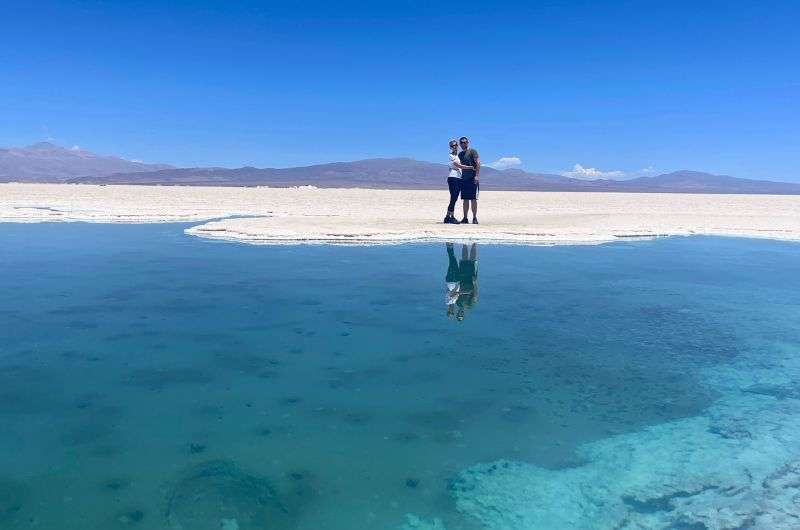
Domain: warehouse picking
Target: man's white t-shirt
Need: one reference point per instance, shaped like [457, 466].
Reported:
[454, 171]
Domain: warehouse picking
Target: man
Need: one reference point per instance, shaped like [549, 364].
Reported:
[470, 179]
[467, 281]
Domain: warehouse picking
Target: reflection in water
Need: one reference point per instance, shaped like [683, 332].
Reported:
[169, 383]
[461, 281]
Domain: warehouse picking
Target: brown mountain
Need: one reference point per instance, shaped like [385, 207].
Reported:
[392, 173]
[698, 182]
[47, 162]
[407, 173]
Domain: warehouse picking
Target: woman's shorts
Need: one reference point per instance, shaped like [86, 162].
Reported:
[469, 189]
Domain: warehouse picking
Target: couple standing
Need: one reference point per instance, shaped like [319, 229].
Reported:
[463, 179]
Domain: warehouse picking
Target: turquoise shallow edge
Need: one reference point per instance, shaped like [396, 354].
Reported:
[735, 466]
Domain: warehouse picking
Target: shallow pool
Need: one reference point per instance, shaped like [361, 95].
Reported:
[152, 380]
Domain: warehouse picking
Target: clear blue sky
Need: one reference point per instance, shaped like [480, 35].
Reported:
[614, 85]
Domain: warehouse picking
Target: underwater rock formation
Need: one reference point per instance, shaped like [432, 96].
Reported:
[417, 523]
[161, 378]
[217, 494]
[12, 496]
[115, 484]
[736, 466]
[130, 517]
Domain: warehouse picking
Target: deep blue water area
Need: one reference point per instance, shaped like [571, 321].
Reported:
[152, 380]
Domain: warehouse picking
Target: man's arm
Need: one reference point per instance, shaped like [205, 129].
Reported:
[477, 165]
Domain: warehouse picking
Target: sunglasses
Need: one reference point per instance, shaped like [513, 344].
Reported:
[453, 145]
[462, 142]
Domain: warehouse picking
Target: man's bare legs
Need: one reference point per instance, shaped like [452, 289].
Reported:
[469, 253]
[474, 209]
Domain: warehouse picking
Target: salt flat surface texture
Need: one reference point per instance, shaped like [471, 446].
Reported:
[362, 216]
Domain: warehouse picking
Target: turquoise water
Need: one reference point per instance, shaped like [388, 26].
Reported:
[152, 380]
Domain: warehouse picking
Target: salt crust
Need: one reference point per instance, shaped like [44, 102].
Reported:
[361, 216]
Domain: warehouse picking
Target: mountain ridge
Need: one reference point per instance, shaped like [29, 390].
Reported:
[405, 173]
[47, 162]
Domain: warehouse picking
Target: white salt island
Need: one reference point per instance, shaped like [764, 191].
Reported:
[368, 216]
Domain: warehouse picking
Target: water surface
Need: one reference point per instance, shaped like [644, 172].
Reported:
[153, 380]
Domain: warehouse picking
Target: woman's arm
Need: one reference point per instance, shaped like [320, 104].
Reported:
[459, 165]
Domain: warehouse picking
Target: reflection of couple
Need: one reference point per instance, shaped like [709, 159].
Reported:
[461, 280]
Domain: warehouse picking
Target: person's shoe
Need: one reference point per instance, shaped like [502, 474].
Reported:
[447, 219]
[464, 221]
[474, 220]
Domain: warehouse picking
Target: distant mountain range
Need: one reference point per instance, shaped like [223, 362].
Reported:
[45, 162]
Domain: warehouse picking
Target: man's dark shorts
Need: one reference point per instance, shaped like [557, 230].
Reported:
[469, 189]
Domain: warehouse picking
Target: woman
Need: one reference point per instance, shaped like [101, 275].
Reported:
[451, 281]
[454, 181]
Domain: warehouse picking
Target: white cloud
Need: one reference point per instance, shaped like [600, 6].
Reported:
[506, 162]
[75, 148]
[649, 170]
[590, 173]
